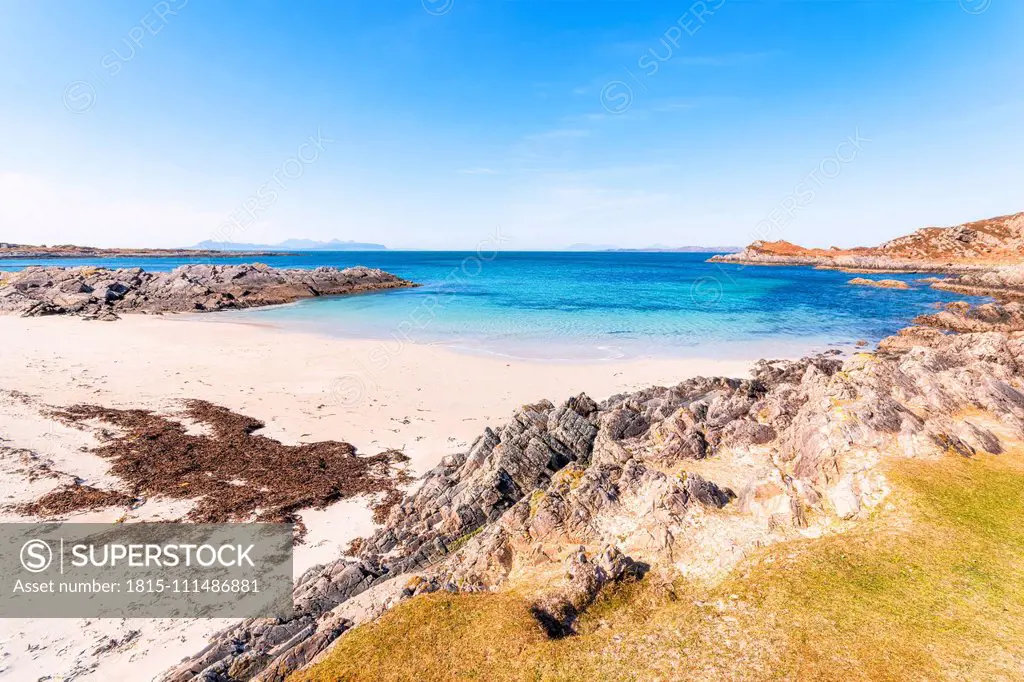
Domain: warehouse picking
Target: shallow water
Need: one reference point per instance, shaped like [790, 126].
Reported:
[590, 305]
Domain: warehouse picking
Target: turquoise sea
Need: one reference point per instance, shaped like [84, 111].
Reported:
[550, 305]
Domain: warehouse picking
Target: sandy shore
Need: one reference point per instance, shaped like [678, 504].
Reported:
[425, 400]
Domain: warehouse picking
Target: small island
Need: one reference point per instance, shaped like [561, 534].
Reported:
[879, 283]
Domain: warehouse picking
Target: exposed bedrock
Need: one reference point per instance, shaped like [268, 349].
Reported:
[100, 293]
[565, 499]
[879, 283]
[782, 253]
[989, 317]
[976, 246]
[1002, 283]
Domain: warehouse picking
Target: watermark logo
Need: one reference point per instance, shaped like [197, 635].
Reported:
[806, 191]
[975, 6]
[616, 97]
[79, 97]
[438, 7]
[271, 189]
[36, 556]
[706, 292]
[145, 570]
[348, 390]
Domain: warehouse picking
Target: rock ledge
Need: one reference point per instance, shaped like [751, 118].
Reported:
[102, 293]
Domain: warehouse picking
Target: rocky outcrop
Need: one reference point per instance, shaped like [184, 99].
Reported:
[989, 317]
[848, 260]
[558, 610]
[879, 283]
[1003, 283]
[975, 246]
[992, 241]
[100, 293]
[565, 499]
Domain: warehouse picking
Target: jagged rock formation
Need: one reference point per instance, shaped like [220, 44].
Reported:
[979, 245]
[100, 293]
[686, 479]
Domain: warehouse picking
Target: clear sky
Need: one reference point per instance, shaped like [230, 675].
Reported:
[436, 123]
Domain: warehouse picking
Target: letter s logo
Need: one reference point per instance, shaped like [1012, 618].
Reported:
[36, 556]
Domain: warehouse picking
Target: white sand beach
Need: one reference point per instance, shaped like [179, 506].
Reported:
[425, 400]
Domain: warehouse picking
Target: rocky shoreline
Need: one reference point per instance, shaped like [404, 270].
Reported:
[1002, 283]
[102, 293]
[686, 480]
[565, 499]
[972, 247]
[761, 253]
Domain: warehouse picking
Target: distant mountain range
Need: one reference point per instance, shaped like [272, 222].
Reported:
[656, 247]
[291, 245]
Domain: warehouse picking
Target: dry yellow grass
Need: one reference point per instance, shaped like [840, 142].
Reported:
[933, 588]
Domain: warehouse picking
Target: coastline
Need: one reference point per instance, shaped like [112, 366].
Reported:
[539, 351]
[802, 450]
[429, 401]
[310, 386]
[853, 264]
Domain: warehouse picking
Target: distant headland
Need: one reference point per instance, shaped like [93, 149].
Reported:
[25, 251]
[979, 245]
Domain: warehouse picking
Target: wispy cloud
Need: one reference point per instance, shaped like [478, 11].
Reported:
[559, 134]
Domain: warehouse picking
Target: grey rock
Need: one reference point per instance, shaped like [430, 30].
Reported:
[100, 293]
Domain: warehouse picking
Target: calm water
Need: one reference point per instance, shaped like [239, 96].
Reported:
[590, 305]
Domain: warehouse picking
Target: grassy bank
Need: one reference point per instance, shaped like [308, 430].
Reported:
[930, 588]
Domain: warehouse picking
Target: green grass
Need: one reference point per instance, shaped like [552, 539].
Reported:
[933, 588]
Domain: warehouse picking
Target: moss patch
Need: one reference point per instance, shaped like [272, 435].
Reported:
[933, 588]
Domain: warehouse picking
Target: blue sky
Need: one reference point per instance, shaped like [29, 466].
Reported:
[436, 124]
